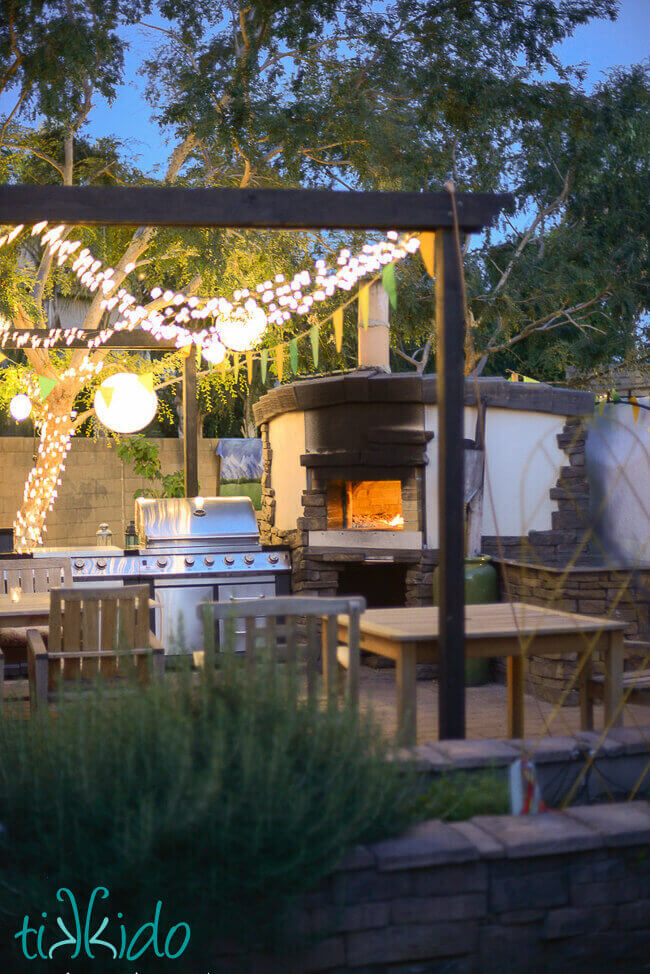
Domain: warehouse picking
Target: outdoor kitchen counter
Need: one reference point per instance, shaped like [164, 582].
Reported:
[510, 629]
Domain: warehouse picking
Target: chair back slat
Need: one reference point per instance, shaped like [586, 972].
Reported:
[313, 636]
[72, 640]
[90, 637]
[108, 626]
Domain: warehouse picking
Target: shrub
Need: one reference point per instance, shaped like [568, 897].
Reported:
[223, 795]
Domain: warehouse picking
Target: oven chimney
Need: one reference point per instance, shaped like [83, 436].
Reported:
[374, 341]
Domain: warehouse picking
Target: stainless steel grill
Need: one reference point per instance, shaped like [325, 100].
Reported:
[191, 550]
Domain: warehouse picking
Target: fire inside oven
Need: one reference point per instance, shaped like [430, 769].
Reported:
[367, 505]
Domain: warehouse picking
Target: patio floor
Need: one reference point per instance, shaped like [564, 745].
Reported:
[486, 708]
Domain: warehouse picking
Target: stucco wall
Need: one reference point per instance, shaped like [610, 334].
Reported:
[288, 477]
[523, 462]
[96, 486]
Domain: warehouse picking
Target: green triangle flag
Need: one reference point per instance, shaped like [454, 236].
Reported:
[107, 395]
[293, 354]
[45, 385]
[388, 280]
[364, 305]
[235, 361]
[314, 335]
[147, 381]
[264, 358]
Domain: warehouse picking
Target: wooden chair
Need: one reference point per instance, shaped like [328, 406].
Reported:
[636, 682]
[29, 575]
[93, 631]
[290, 625]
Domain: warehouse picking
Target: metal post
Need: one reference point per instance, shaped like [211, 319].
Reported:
[190, 425]
[451, 388]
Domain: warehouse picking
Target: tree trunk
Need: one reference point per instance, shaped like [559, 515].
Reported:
[57, 429]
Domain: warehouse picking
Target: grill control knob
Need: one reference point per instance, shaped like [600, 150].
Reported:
[229, 560]
[80, 563]
[189, 561]
[209, 560]
[161, 562]
[249, 559]
[273, 559]
[101, 564]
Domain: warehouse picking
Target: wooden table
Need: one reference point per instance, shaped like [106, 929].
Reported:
[511, 629]
[31, 609]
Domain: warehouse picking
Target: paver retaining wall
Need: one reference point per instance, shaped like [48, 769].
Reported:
[553, 892]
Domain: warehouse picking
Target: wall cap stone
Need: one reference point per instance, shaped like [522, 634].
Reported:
[431, 843]
[546, 834]
[621, 824]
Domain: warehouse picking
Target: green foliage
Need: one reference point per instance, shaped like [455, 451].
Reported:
[143, 456]
[224, 795]
[456, 796]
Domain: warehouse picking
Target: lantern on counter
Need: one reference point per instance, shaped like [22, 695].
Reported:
[125, 403]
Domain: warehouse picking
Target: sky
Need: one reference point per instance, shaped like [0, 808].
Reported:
[599, 45]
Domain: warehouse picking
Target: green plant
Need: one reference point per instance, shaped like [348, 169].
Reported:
[223, 795]
[458, 795]
[144, 457]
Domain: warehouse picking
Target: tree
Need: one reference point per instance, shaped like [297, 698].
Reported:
[333, 93]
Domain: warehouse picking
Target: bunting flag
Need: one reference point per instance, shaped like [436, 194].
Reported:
[264, 358]
[514, 377]
[45, 385]
[293, 355]
[279, 361]
[107, 395]
[388, 280]
[249, 367]
[199, 353]
[147, 382]
[337, 321]
[426, 249]
[636, 409]
[235, 365]
[314, 336]
[364, 305]
[600, 406]
[185, 351]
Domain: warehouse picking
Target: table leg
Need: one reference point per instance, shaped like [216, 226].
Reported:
[613, 689]
[586, 700]
[406, 700]
[515, 670]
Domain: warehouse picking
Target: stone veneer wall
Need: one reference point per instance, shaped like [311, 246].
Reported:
[568, 539]
[564, 891]
[614, 593]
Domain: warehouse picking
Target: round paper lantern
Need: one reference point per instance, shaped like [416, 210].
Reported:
[242, 329]
[214, 352]
[124, 404]
[20, 407]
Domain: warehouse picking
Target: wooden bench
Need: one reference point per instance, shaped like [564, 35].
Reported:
[636, 683]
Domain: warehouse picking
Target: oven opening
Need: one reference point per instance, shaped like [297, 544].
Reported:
[369, 505]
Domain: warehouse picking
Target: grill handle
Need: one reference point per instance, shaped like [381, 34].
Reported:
[252, 598]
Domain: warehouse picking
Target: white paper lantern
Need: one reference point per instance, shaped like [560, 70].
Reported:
[242, 328]
[20, 407]
[214, 352]
[131, 406]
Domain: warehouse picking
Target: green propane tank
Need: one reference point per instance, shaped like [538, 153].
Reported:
[481, 585]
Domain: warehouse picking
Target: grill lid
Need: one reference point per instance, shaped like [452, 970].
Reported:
[224, 522]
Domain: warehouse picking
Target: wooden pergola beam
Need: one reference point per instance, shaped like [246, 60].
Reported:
[285, 209]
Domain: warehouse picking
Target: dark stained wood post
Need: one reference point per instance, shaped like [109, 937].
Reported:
[190, 425]
[450, 321]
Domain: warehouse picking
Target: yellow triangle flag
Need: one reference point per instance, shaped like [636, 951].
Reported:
[147, 381]
[235, 365]
[249, 366]
[426, 249]
[337, 321]
[279, 360]
[107, 395]
[185, 351]
[636, 409]
[364, 305]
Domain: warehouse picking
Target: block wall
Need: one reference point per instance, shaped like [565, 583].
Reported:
[97, 486]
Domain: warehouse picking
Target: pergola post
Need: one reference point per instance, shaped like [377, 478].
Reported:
[450, 321]
[190, 425]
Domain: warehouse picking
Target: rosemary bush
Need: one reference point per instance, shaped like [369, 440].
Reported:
[223, 795]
